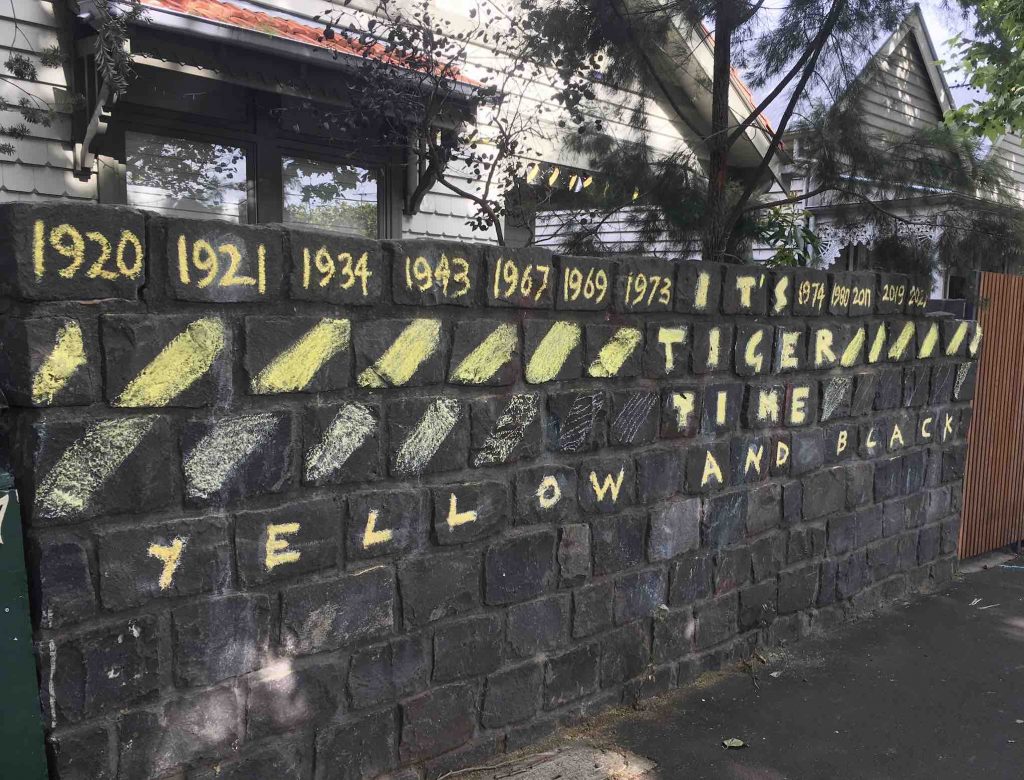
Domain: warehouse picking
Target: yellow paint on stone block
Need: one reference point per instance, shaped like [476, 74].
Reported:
[613, 354]
[395, 367]
[853, 349]
[609, 484]
[958, 338]
[170, 555]
[552, 352]
[455, 517]
[491, 354]
[177, 367]
[67, 356]
[899, 346]
[426, 438]
[373, 535]
[294, 369]
[711, 470]
[931, 338]
[875, 352]
[277, 548]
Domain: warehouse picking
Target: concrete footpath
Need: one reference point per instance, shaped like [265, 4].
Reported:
[929, 689]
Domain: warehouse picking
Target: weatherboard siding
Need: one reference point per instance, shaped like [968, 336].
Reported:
[41, 167]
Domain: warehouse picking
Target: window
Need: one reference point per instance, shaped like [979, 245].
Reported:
[186, 178]
[343, 197]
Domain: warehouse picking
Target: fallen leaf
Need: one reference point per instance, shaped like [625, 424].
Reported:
[776, 675]
[733, 743]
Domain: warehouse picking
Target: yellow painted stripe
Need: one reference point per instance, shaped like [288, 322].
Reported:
[958, 338]
[972, 348]
[67, 356]
[401, 360]
[615, 352]
[491, 354]
[899, 346]
[189, 355]
[294, 369]
[931, 338]
[853, 349]
[875, 353]
[86, 465]
[552, 352]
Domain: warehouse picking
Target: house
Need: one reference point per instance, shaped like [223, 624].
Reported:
[903, 90]
[221, 119]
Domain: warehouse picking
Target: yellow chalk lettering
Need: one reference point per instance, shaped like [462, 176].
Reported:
[798, 405]
[841, 441]
[684, 405]
[38, 261]
[700, 293]
[552, 352]
[755, 454]
[178, 366]
[899, 347]
[958, 338]
[781, 294]
[67, 356]
[926, 424]
[781, 454]
[277, 552]
[745, 286]
[721, 407]
[823, 354]
[896, 436]
[548, 492]
[787, 351]
[853, 349]
[372, 535]
[753, 358]
[767, 405]
[875, 352]
[170, 554]
[615, 353]
[609, 484]
[947, 426]
[714, 347]
[711, 470]
[491, 354]
[668, 338]
[870, 441]
[455, 517]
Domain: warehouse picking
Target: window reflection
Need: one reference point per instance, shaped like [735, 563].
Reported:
[186, 178]
[343, 197]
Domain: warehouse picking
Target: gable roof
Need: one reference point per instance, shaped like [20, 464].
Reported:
[912, 37]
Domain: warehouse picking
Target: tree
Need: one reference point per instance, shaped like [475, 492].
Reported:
[805, 55]
[993, 57]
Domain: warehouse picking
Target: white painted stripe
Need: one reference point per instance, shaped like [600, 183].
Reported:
[348, 430]
[217, 456]
[508, 430]
[426, 438]
[88, 463]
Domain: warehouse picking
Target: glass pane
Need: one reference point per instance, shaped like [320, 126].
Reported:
[186, 178]
[343, 197]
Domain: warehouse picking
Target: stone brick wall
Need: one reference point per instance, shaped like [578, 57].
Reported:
[307, 506]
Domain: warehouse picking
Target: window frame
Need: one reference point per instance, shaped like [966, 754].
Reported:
[265, 146]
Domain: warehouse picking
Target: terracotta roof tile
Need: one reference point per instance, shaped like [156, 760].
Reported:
[246, 18]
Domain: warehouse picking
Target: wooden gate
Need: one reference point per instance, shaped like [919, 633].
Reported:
[993, 511]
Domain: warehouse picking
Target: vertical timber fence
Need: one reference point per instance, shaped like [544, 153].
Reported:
[993, 514]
